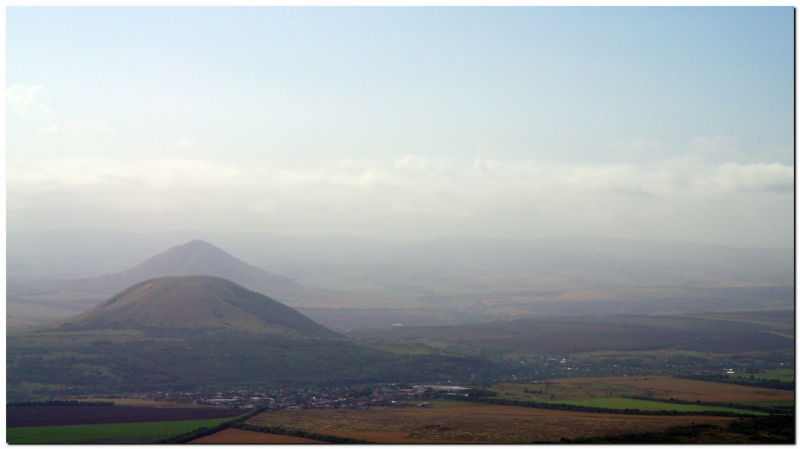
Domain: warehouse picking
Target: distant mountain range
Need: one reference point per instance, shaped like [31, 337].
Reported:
[39, 255]
[348, 282]
[196, 303]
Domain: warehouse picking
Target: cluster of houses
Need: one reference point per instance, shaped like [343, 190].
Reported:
[382, 396]
[339, 398]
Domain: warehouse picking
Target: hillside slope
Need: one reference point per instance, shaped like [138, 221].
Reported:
[195, 302]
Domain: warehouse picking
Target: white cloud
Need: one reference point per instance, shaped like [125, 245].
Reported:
[67, 138]
[27, 101]
[411, 162]
[378, 186]
[729, 177]
[715, 150]
[705, 195]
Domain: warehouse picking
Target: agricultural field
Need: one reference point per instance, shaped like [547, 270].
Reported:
[661, 387]
[667, 355]
[777, 322]
[140, 432]
[784, 375]
[398, 347]
[470, 424]
[65, 415]
[623, 333]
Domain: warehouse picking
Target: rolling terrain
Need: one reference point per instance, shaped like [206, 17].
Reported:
[201, 332]
[563, 377]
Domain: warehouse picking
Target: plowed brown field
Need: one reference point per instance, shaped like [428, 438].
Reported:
[483, 424]
[70, 415]
[238, 436]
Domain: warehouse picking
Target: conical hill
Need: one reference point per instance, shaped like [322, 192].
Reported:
[195, 303]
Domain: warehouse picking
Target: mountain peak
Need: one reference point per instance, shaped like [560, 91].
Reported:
[200, 258]
[197, 244]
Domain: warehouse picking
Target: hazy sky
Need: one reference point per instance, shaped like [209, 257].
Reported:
[404, 123]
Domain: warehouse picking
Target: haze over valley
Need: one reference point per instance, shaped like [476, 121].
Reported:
[348, 282]
[400, 225]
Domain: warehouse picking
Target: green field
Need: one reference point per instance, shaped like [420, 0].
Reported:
[784, 375]
[623, 403]
[95, 432]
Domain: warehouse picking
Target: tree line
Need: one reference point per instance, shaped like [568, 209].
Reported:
[774, 384]
[585, 408]
[239, 423]
[754, 408]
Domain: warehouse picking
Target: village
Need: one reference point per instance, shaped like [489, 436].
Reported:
[362, 398]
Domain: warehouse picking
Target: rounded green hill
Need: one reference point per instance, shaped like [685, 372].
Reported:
[195, 302]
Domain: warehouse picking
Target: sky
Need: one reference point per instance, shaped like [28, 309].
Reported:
[665, 124]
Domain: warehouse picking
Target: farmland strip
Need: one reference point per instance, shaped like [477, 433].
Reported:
[95, 433]
[755, 408]
[584, 408]
[69, 415]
